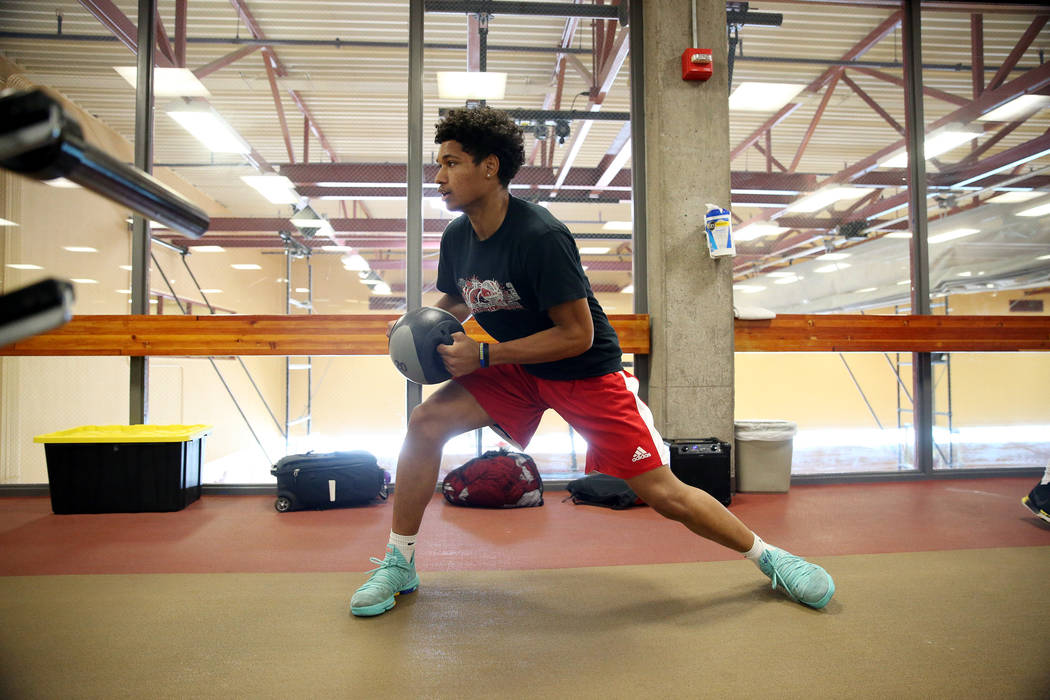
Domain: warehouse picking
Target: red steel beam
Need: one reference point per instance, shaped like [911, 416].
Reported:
[870, 101]
[885, 28]
[163, 45]
[123, 28]
[553, 99]
[828, 91]
[977, 53]
[473, 44]
[180, 33]
[220, 63]
[269, 61]
[929, 91]
[1022, 45]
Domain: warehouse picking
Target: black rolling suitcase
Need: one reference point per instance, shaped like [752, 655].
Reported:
[331, 480]
[703, 463]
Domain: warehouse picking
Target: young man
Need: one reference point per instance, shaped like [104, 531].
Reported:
[517, 270]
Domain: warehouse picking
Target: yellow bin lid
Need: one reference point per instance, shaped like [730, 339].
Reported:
[126, 433]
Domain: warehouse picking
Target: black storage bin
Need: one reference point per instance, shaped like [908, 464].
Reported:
[703, 463]
[123, 477]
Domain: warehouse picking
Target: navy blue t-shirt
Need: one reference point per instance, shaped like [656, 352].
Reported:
[510, 279]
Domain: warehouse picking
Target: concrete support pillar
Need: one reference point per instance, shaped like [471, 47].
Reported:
[687, 166]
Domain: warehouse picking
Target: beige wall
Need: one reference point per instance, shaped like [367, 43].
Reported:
[816, 391]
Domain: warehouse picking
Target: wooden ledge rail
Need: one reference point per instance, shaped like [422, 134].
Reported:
[366, 335]
[215, 336]
[856, 333]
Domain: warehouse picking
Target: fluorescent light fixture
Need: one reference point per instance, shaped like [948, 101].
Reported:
[61, 182]
[1040, 210]
[381, 288]
[828, 196]
[245, 266]
[337, 248]
[5, 222]
[952, 235]
[168, 82]
[1014, 197]
[23, 266]
[898, 234]
[762, 97]
[618, 226]
[834, 256]
[629, 289]
[1043, 257]
[355, 263]
[125, 267]
[207, 249]
[1016, 108]
[454, 85]
[935, 144]
[904, 282]
[310, 223]
[753, 231]
[833, 267]
[867, 289]
[123, 291]
[593, 251]
[302, 290]
[209, 128]
[277, 189]
[748, 288]
[79, 249]
[790, 279]
[84, 280]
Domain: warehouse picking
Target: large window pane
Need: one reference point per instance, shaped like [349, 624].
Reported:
[989, 231]
[557, 70]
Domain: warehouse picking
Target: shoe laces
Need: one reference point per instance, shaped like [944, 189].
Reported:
[787, 569]
[384, 572]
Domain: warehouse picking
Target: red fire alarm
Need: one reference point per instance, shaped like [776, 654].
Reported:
[696, 64]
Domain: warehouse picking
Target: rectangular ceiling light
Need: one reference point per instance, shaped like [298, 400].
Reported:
[935, 144]
[618, 226]
[952, 235]
[5, 222]
[753, 231]
[168, 82]
[828, 196]
[1014, 197]
[593, 251]
[1040, 210]
[207, 249]
[833, 267]
[454, 85]
[762, 97]
[209, 128]
[277, 189]
[1017, 108]
[23, 266]
[245, 266]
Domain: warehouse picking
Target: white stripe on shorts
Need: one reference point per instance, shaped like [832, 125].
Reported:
[647, 417]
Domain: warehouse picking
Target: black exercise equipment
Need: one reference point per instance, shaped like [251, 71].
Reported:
[414, 340]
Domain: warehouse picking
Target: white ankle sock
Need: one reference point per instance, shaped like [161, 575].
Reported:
[1046, 476]
[406, 544]
[756, 550]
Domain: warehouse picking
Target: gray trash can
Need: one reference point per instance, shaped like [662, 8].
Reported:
[763, 455]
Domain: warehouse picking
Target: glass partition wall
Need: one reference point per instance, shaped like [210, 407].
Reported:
[308, 194]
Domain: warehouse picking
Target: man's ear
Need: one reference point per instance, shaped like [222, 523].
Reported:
[491, 166]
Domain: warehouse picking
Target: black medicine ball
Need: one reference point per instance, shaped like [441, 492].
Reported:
[414, 340]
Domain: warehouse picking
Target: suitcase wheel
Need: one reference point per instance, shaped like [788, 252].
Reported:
[284, 503]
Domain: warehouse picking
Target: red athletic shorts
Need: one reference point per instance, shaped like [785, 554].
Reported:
[617, 425]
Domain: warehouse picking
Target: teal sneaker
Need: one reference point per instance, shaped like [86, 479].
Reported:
[392, 577]
[803, 582]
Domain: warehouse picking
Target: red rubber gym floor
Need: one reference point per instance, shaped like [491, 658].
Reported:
[232, 534]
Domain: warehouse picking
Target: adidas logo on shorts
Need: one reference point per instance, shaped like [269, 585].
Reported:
[640, 453]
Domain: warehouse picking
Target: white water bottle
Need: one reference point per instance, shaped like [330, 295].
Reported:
[719, 227]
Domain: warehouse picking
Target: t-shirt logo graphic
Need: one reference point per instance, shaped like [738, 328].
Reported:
[489, 295]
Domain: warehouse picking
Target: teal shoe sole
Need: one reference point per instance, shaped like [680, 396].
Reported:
[383, 605]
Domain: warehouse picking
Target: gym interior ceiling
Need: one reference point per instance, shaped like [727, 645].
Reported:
[343, 67]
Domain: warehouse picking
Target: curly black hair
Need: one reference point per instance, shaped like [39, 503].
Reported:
[482, 132]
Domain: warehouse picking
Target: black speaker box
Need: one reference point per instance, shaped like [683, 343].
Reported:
[703, 463]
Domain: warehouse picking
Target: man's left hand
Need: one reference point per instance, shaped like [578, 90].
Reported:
[462, 357]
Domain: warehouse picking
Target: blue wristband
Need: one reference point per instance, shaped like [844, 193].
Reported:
[484, 359]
